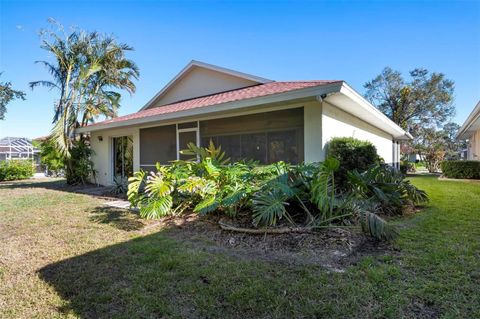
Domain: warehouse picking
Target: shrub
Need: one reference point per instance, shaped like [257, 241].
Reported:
[51, 157]
[407, 167]
[461, 169]
[353, 154]
[304, 196]
[79, 166]
[386, 188]
[16, 169]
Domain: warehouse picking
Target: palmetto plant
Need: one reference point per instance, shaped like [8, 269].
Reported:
[385, 186]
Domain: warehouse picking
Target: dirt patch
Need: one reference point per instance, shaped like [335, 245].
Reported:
[331, 248]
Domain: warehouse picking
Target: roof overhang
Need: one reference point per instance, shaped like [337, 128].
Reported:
[339, 94]
[471, 125]
[352, 102]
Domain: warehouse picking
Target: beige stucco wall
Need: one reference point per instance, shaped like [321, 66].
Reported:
[337, 123]
[313, 132]
[200, 82]
[103, 152]
[322, 122]
[473, 152]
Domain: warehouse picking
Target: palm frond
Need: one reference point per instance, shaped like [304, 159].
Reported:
[269, 207]
[207, 205]
[156, 208]
[377, 227]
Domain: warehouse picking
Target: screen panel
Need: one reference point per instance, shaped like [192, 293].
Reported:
[158, 144]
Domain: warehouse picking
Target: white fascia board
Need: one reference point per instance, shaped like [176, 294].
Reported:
[228, 106]
[195, 63]
[384, 122]
[463, 132]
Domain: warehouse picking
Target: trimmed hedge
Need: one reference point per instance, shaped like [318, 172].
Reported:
[461, 169]
[353, 154]
[16, 169]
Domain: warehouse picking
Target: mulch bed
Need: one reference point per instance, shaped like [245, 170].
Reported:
[331, 248]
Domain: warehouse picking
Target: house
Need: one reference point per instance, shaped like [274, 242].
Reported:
[249, 116]
[470, 132]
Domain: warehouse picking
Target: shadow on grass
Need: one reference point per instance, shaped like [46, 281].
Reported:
[128, 280]
[119, 218]
[60, 184]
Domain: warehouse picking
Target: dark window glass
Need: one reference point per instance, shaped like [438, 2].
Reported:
[231, 145]
[205, 141]
[158, 144]
[254, 147]
[183, 139]
[282, 146]
[267, 137]
[123, 157]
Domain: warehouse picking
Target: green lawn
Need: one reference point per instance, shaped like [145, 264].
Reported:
[64, 255]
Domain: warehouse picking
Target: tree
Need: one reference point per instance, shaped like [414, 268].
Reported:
[422, 106]
[424, 100]
[87, 71]
[429, 143]
[7, 95]
[453, 147]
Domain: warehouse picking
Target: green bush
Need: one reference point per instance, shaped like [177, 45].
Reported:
[461, 169]
[406, 167]
[16, 169]
[353, 154]
[79, 166]
[51, 157]
[271, 195]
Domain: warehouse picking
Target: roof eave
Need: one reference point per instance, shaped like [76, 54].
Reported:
[384, 123]
[463, 132]
[222, 107]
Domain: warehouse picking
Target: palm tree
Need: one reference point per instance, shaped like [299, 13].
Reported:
[87, 71]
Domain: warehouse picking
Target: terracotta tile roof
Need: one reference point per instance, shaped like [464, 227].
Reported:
[219, 98]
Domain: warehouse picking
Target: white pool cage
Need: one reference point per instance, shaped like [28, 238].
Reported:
[19, 148]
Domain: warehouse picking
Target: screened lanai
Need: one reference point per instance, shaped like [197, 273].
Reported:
[17, 148]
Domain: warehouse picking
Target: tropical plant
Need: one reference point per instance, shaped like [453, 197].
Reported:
[201, 153]
[87, 71]
[51, 157]
[385, 187]
[301, 196]
[80, 169]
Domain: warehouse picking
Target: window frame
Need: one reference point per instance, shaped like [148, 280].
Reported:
[185, 130]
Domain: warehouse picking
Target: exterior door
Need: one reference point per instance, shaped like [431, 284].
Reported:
[186, 133]
[122, 158]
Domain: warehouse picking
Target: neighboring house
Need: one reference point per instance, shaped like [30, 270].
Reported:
[249, 116]
[470, 132]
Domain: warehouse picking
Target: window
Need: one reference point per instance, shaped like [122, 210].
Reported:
[157, 144]
[122, 157]
[186, 133]
[265, 137]
[283, 146]
[184, 138]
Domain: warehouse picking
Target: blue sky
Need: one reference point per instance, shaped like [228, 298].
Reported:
[281, 40]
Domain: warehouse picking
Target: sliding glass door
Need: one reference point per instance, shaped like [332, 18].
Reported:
[122, 157]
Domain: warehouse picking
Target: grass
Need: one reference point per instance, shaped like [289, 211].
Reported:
[65, 255]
